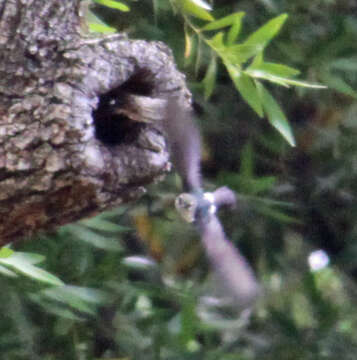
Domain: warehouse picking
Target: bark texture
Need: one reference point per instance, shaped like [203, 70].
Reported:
[53, 168]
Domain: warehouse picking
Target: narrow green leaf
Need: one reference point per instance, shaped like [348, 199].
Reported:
[234, 31]
[64, 295]
[39, 274]
[104, 225]
[155, 7]
[192, 44]
[113, 213]
[93, 238]
[209, 80]
[266, 32]
[5, 252]
[198, 59]
[224, 22]
[257, 61]
[191, 8]
[345, 64]
[261, 184]
[5, 271]
[239, 54]
[113, 5]
[301, 83]
[247, 162]
[69, 292]
[274, 69]
[246, 88]
[202, 4]
[277, 215]
[100, 28]
[23, 264]
[188, 43]
[275, 115]
[260, 74]
[269, 202]
[188, 321]
[337, 83]
[216, 42]
[57, 310]
[18, 257]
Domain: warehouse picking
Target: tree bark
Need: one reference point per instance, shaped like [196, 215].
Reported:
[54, 169]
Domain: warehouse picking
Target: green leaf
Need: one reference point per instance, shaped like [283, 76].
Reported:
[70, 293]
[23, 263]
[275, 115]
[202, 4]
[209, 80]
[101, 28]
[260, 74]
[64, 295]
[54, 309]
[97, 223]
[5, 271]
[39, 274]
[5, 252]
[257, 61]
[266, 76]
[216, 42]
[301, 83]
[93, 238]
[113, 213]
[224, 22]
[188, 44]
[234, 31]
[273, 69]
[337, 83]
[345, 64]
[277, 215]
[239, 54]
[25, 257]
[261, 184]
[113, 5]
[247, 162]
[188, 321]
[266, 32]
[234, 54]
[189, 7]
[246, 88]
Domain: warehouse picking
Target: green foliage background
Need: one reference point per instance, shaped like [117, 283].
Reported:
[134, 277]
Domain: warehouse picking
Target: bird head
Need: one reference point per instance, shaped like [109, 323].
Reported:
[192, 206]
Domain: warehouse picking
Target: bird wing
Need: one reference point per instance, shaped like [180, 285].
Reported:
[184, 142]
[230, 267]
[224, 196]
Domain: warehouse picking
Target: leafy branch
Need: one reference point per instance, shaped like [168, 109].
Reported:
[244, 61]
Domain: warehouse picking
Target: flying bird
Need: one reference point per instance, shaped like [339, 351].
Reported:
[199, 207]
[132, 104]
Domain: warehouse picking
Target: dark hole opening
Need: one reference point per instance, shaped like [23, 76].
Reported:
[113, 127]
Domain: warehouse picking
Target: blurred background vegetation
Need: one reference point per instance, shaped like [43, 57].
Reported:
[137, 285]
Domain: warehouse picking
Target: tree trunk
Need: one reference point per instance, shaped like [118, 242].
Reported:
[57, 163]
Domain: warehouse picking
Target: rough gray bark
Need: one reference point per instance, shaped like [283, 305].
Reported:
[53, 169]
